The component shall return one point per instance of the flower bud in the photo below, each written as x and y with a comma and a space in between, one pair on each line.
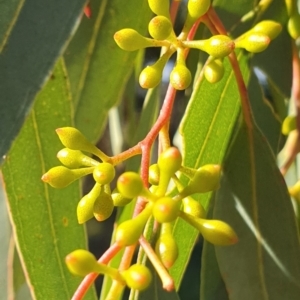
166, 249
130, 185
75, 159
160, 28
217, 46
160, 7
166, 210
151, 76
197, 8
73, 139
103, 207
154, 174
294, 26
85, 207
193, 208
268, 27
289, 124
137, 277
180, 77
169, 161
253, 42
128, 232
104, 173
82, 262
119, 199
130, 40
60, 177
214, 71
206, 179
216, 232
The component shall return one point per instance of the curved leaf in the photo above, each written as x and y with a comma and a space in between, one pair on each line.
9, 12
206, 130
35, 42
265, 263
44, 219
99, 68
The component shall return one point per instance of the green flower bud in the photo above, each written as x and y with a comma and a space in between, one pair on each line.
180, 77
169, 161
216, 232
294, 191
73, 139
103, 207
197, 8
289, 124
166, 249
75, 159
151, 76
294, 26
253, 42
154, 174
137, 277
268, 27
60, 177
130, 185
130, 40
128, 232
214, 71
160, 28
206, 179
85, 207
104, 173
217, 46
160, 7
119, 200
193, 208
166, 210
82, 262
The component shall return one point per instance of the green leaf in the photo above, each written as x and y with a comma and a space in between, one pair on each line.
265, 263
35, 42
99, 68
206, 130
211, 284
9, 12
44, 219
265, 116
19, 287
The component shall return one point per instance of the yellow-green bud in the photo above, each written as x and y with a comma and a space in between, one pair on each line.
160, 28
268, 27
103, 207
180, 77
60, 177
217, 46
214, 71
130, 40
137, 277
253, 42
160, 7
197, 8
82, 262
294, 26
289, 124
75, 159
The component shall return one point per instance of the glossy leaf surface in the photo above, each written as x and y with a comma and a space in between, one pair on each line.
206, 130
44, 219
35, 42
256, 204
99, 68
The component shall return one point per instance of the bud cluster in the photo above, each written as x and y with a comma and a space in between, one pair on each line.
160, 205
217, 47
